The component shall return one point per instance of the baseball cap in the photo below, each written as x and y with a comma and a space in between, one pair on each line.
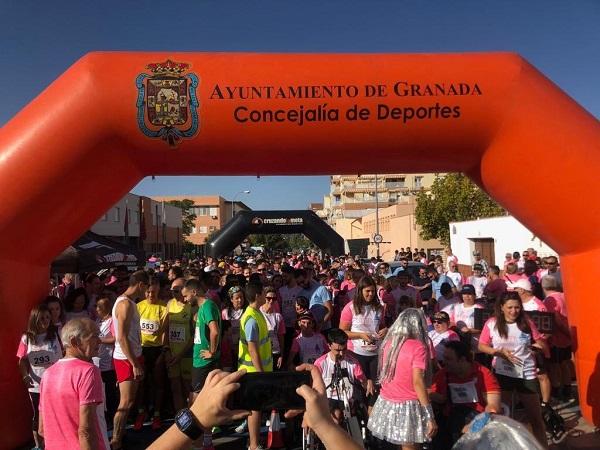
468, 289
441, 315
477, 267
307, 316
522, 283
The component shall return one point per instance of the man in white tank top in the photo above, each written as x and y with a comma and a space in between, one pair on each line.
128, 350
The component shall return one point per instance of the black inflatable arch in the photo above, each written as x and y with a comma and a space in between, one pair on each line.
275, 222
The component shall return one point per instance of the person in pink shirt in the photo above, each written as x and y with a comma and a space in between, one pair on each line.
560, 364
531, 303
39, 348
71, 397
511, 273
402, 414
441, 333
512, 339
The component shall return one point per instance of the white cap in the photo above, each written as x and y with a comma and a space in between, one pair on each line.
522, 283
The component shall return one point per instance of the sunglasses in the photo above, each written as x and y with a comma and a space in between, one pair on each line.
270, 298
176, 291
438, 321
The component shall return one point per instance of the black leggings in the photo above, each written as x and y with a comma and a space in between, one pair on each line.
35, 404
109, 377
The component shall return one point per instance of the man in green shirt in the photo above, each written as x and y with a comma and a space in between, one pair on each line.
206, 338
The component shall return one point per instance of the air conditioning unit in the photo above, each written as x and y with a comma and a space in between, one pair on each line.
214, 217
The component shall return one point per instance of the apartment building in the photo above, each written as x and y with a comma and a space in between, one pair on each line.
353, 196
212, 213
143, 223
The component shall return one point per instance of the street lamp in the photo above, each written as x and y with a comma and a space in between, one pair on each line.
233, 201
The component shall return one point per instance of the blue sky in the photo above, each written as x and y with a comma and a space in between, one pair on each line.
39, 40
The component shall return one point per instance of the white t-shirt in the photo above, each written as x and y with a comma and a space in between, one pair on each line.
274, 325
367, 322
105, 352
456, 278
326, 366
517, 342
464, 316
41, 354
447, 304
438, 340
288, 304
534, 304
135, 332
478, 283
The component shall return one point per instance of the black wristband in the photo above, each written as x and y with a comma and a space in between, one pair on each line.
188, 424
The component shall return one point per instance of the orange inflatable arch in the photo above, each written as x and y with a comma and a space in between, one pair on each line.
113, 118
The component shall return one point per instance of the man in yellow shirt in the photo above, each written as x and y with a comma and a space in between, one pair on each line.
153, 323
180, 343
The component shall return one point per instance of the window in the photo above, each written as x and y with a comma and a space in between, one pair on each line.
194, 230
214, 212
201, 210
136, 217
128, 215
418, 182
394, 182
212, 228
117, 217
203, 229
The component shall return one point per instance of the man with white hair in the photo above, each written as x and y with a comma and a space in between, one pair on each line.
71, 396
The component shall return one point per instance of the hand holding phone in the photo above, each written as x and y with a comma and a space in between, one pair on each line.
209, 407
265, 391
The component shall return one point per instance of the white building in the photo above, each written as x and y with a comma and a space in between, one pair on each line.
493, 237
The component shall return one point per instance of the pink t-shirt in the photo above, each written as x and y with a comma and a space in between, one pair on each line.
310, 348
413, 354
370, 322
67, 385
555, 303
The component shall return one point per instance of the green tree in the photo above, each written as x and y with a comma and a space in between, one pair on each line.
280, 242
452, 198
187, 215
297, 242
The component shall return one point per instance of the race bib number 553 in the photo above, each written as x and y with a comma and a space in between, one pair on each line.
148, 326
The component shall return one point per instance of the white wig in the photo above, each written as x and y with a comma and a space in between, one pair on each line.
410, 324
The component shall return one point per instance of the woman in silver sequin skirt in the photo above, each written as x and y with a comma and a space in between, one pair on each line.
402, 414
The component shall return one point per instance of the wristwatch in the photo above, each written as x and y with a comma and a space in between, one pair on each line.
188, 424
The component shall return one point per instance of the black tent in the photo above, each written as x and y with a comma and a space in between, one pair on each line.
92, 252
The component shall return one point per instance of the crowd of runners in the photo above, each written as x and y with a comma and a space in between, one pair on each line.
396, 345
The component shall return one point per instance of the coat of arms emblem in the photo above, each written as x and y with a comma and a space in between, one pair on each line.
167, 105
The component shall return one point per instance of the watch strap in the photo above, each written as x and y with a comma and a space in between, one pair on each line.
188, 424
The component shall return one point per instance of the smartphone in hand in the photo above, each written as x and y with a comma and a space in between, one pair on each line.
265, 391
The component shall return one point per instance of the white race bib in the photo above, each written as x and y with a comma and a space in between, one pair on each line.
464, 392
149, 326
41, 358
197, 337
177, 334
506, 368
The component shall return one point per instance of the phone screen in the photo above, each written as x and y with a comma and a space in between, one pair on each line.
264, 391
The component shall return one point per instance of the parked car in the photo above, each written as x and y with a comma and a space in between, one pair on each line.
413, 267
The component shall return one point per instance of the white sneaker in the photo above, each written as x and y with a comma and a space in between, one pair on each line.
242, 428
